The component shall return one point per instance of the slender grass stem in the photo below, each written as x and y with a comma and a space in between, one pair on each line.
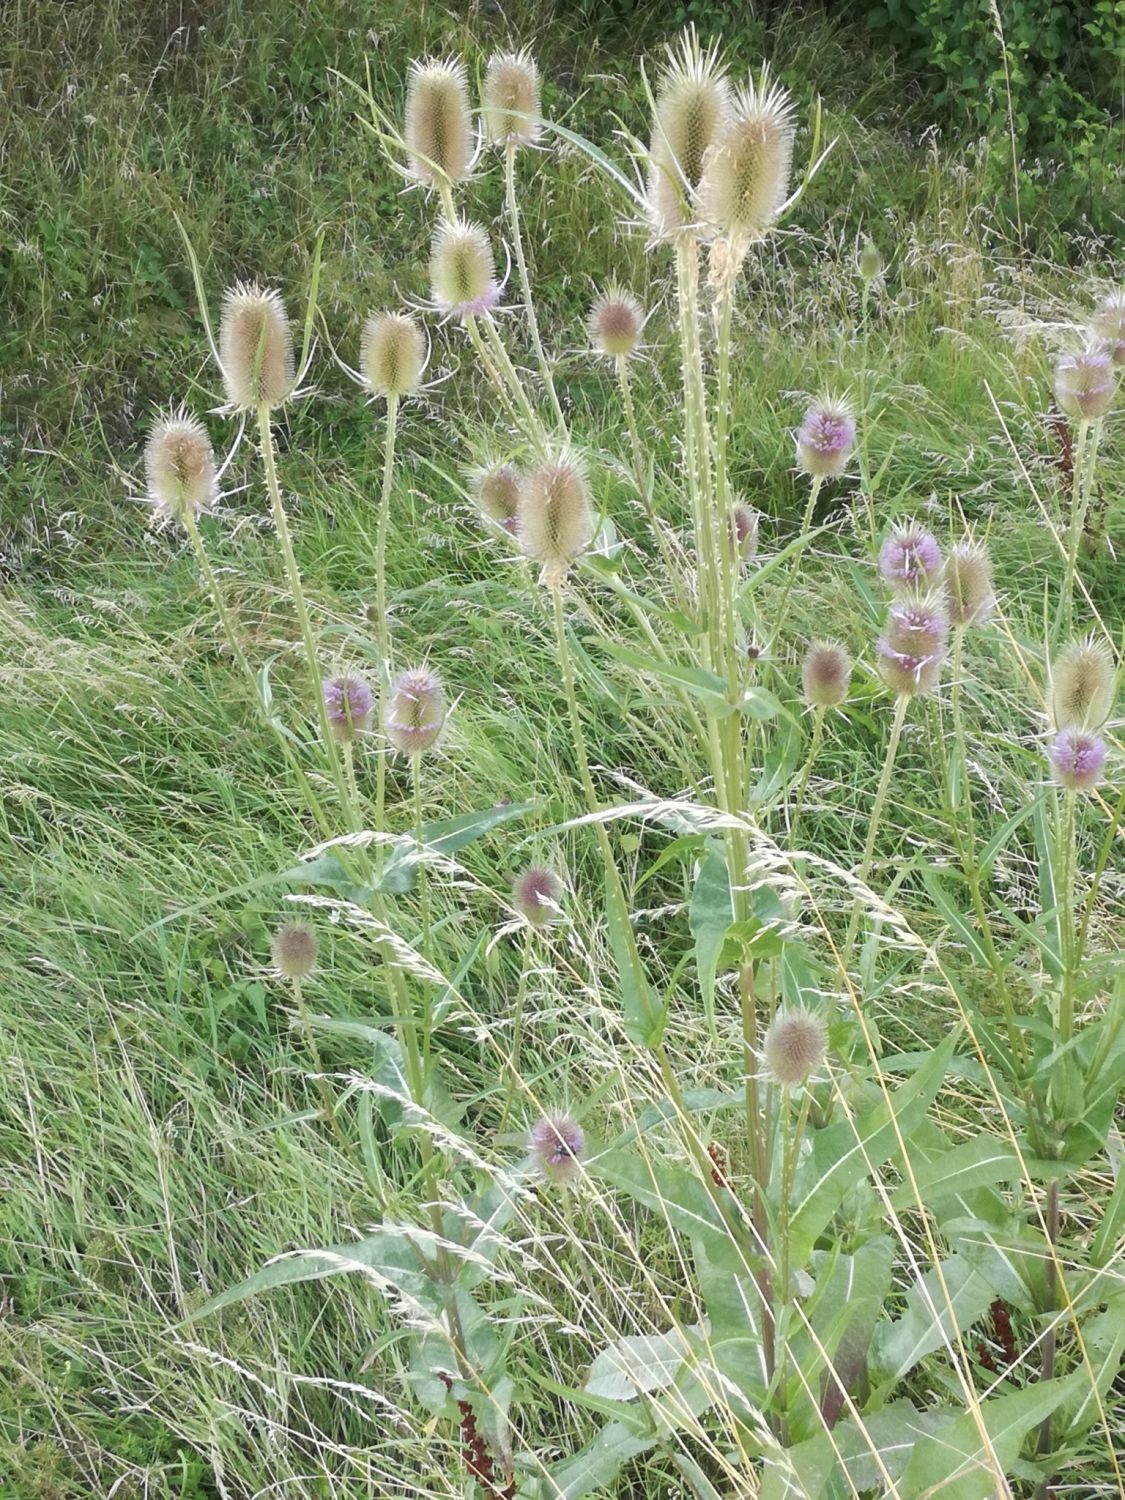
794, 568
324, 1088
517, 1030
512, 205
902, 703
814, 747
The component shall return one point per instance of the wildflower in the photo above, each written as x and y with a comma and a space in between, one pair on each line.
462, 272
1084, 385
393, 354
968, 583
1077, 758
910, 557
438, 137
617, 321
746, 168
498, 487
826, 438
180, 467
255, 347
794, 1046
558, 1144
691, 101
294, 948
744, 531
826, 674
1082, 683
510, 99
348, 704
416, 711
1108, 325
912, 648
537, 896
554, 516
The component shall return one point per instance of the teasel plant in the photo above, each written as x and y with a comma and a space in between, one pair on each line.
1085, 385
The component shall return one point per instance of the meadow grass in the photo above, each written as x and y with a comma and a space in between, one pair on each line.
161, 1134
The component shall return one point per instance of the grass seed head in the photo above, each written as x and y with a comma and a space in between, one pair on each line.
416, 711
1077, 759
691, 101
1108, 325
537, 896
255, 347
826, 674
794, 1047
393, 353
617, 321
462, 271
1082, 685
1084, 385
910, 558
826, 438
294, 948
554, 515
348, 705
968, 583
438, 135
180, 468
510, 99
558, 1144
746, 168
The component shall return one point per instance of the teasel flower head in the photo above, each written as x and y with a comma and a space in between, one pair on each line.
968, 584
537, 896
1084, 385
393, 354
826, 438
180, 468
255, 347
870, 262
617, 321
1082, 685
912, 648
498, 487
347, 705
462, 271
558, 1144
826, 674
1077, 759
438, 135
691, 102
510, 99
746, 169
294, 948
554, 516
415, 713
794, 1046
910, 557
744, 531
1108, 325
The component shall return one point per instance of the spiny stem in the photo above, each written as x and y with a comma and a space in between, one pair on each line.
806, 523
472, 328
382, 623
640, 477
423, 880
532, 425
525, 282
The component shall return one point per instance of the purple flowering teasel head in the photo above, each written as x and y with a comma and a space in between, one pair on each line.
1108, 325
826, 438
910, 558
826, 674
537, 896
347, 704
1077, 758
558, 1144
911, 651
415, 714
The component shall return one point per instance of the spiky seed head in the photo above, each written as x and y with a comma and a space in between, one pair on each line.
744, 531
794, 1046
438, 136
510, 99
294, 948
554, 515
826, 438
910, 557
498, 487
870, 262
180, 468
393, 353
416, 711
1077, 759
746, 169
255, 347
826, 674
1108, 325
462, 271
912, 648
1082, 685
617, 321
1084, 385
558, 1144
537, 896
691, 101
968, 583
347, 704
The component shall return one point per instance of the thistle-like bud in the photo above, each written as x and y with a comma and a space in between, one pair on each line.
393, 353
1084, 385
416, 711
438, 135
617, 321
691, 101
794, 1046
347, 705
510, 99
968, 583
746, 168
826, 674
255, 347
294, 948
462, 271
744, 531
558, 1144
537, 896
910, 558
870, 262
826, 438
179, 467
554, 516
912, 647
1108, 325
498, 488
1077, 759
1082, 683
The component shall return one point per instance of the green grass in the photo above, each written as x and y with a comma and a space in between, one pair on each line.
158, 1138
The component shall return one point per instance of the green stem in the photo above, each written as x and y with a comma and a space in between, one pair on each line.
902, 703
324, 1088
532, 425
525, 283
814, 747
697, 441
517, 1032
1084, 454
382, 622
423, 878
472, 328
794, 566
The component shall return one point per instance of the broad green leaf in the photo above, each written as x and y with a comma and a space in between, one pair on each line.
734, 1307
1104, 1337
1050, 917
975, 1163
643, 1018
638, 1363
927, 1323
955, 920
851, 1459
709, 916
702, 684
676, 1195
759, 703
448, 837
